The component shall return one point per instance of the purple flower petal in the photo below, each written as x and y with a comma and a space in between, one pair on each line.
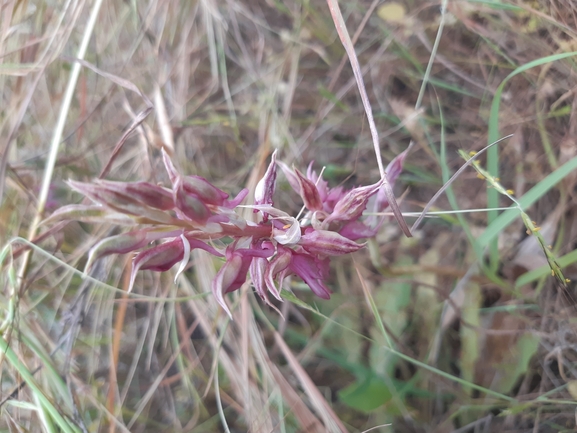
241, 275
322, 185
256, 271
237, 200
233, 273
355, 230
332, 198
275, 266
159, 258
225, 278
195, 243
312, 271
127, 242
162, 257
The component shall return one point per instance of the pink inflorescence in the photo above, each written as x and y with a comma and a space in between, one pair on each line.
196, 214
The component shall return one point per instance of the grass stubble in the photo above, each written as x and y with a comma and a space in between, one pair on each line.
459, 328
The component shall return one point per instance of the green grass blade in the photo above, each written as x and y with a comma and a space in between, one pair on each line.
499, 224
446, 173
493, 135
27, 377
545, 270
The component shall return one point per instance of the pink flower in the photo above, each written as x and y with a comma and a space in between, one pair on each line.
193, 213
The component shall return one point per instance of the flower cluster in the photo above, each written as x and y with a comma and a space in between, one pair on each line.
193, 213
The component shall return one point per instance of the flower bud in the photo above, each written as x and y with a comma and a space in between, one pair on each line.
327, 243
143, 192
121, 201
89, 214
190, 205
355, 230
309, 192
204, 190
352, 204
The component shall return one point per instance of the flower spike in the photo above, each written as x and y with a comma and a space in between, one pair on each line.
195, 214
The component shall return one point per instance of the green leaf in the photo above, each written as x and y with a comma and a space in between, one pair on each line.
516, 362
366, 395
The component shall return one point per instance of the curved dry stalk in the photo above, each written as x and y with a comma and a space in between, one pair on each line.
350, 49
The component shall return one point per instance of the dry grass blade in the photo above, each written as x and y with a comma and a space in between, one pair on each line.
163, 120
16, 122
325, 105
329, 417
122, 82
350, 49
58, 130
135, 124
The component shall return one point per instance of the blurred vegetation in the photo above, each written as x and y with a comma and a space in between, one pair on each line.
460, 328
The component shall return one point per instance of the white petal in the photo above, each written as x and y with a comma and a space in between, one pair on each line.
185, 257
290, 236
